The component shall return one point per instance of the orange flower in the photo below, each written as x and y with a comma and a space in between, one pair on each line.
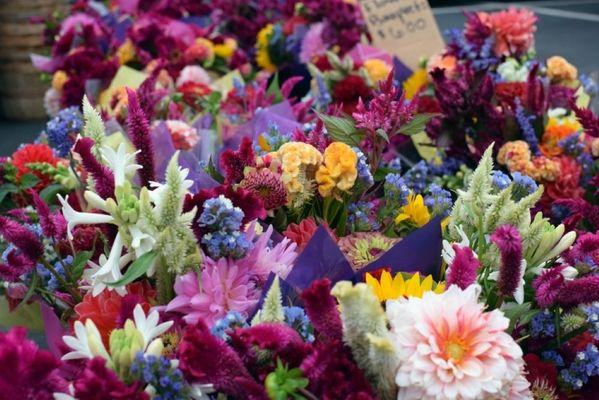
109, 310
554, 133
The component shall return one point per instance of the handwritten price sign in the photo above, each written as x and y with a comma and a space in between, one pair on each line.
405, 28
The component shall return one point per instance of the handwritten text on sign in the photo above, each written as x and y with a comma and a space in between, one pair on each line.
406, 28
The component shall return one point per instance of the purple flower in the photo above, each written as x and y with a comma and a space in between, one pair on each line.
464, 266
103, 177
27, 372
321, 308
579, 291
22, 238
138, 129
508, 241
53, 224
547, 286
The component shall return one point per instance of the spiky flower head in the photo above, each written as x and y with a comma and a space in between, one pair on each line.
267, 185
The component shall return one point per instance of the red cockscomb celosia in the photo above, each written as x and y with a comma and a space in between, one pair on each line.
233, 162
98, 382
348, 90
27, 372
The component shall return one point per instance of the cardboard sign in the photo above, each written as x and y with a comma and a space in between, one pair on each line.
405, 28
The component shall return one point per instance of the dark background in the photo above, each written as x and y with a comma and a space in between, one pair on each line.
569, 28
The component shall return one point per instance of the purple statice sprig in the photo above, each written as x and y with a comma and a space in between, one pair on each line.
396, 190
584, 367
438, 200
416, 177
528, 131
542, 324
523, 185
167, 381
362, 216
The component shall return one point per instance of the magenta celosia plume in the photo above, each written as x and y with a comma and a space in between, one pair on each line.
233, 162
462, 271
97, 382
583, 290
103, 176
204, 358
322, 310
508, 241
53, 223
547, 286
27, 372
138, 129
22, 238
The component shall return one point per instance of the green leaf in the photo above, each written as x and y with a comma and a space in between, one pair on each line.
383, 134
32, 286
28, 181
213, 172
6, 189
79, 263
417, 124
341, 129
136, 269
48, 194
274, 89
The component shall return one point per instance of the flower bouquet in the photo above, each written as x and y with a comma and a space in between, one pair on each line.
312, 222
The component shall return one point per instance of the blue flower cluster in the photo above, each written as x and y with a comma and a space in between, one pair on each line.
167, 381
554, 357
416, 176
592, 315
572, 145
63, 128
482, 56
500, 180
560, 211
296, 318
584, 366
49, 279
364, 174
396, 189
223, 221
438, 200
324, 96
274, 137
233, 319
395, 165
449, 166
523, 185
360, 215
589, 84
542, 324
528, 131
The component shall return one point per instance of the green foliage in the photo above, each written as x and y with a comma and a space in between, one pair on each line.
136, 269
284, 383
341, 129
416, 124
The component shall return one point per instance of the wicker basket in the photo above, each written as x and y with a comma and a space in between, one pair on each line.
21, 90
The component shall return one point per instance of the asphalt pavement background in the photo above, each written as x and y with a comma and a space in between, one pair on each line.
569, 28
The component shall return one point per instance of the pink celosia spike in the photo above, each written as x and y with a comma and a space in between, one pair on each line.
103, 177
508, 241
22, 238
463, 268
138, 129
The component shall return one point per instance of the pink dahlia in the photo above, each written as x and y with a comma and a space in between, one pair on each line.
225, 286
263, 259
450, 347
313, 44
514, 31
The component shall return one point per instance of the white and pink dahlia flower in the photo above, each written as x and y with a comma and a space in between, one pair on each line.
450, 348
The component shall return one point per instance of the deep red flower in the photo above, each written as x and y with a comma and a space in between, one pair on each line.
98, 382
233, 162
322, 310
349, 90
27, 372
33, 153
539, 371
508, 92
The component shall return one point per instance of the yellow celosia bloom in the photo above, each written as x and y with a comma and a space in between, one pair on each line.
388, 288
226, 49
262, 56
126, 52
415, 211
377, 69
59, 79
415, 82
339, 170
299, 162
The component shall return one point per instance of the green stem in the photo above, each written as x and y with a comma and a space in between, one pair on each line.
164, 282
76, 295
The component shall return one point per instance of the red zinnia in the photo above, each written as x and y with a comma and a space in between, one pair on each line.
30, 154
107, 309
